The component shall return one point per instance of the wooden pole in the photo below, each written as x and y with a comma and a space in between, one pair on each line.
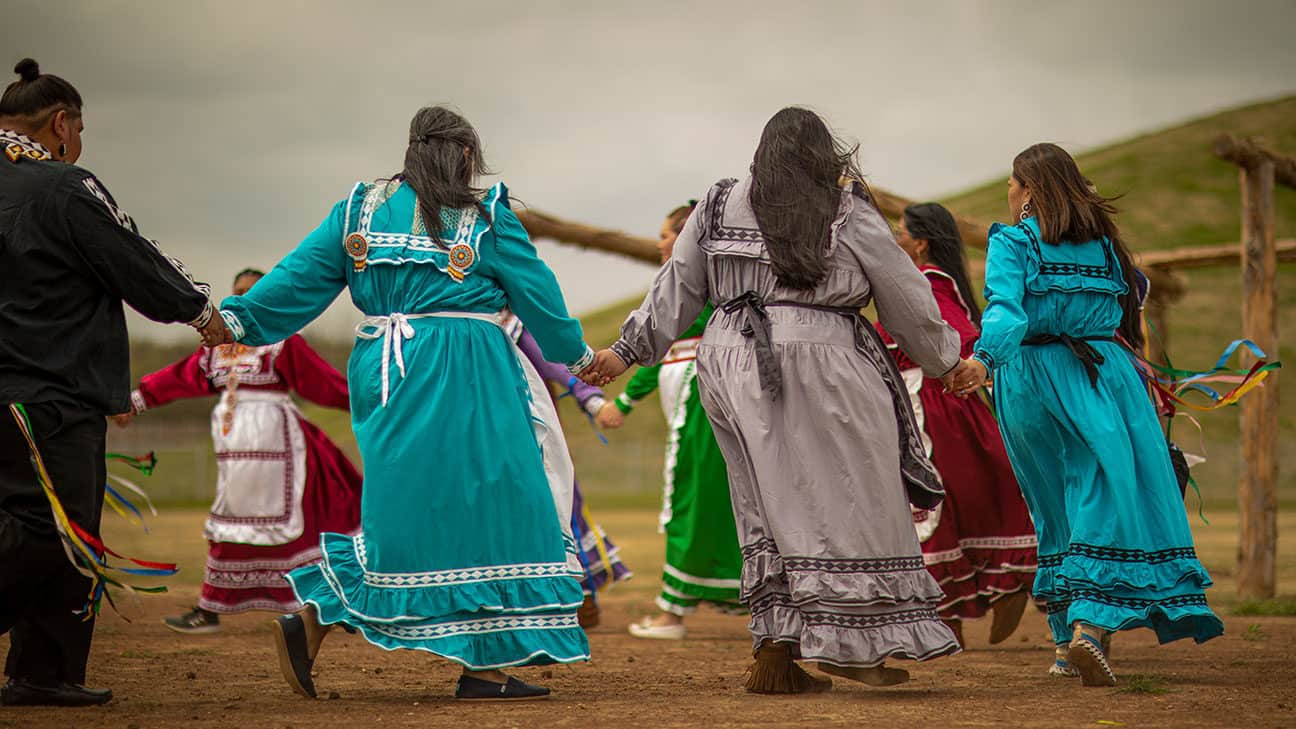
543, 225
1258, 489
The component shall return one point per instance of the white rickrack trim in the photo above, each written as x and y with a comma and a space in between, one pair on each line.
1022, 542
627, 401
593, 405
204, 317
585, 360
477, 627
232, 321
466, 576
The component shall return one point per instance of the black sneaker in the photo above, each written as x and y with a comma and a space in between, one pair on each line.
476, 689
194, 622
294, 655
23, 693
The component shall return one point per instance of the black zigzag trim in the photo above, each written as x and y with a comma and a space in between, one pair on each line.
845, 566
1114, 554
720, 231
760, 545
842, 620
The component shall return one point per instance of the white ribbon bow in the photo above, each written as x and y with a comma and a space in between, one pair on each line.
394, 330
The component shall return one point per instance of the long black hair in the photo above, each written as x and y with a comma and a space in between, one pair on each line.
443, 160
36, 96
795, 193
1069, 210
936, 225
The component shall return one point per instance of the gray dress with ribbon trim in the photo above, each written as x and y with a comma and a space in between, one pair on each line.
815, 425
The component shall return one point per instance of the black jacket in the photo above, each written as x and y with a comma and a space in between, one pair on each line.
69, 257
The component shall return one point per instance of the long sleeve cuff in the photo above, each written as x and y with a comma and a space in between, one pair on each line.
624, 403
623, 350
593, 405
585, 361
204, 316
984, 358
137, 402
234, 323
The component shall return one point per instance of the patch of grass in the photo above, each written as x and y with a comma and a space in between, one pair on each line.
1255, 633
1140, 683
1279, 607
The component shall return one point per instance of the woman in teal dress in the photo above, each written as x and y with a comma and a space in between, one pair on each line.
1115, 550
465, 548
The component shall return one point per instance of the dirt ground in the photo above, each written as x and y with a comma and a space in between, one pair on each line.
1246, 679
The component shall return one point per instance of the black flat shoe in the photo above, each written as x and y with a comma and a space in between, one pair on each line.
294, 656
476, 689
21, 693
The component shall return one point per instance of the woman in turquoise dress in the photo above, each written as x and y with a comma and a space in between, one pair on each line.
1115, 550
465, 549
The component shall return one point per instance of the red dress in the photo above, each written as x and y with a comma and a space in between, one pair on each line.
281, 480
979, 544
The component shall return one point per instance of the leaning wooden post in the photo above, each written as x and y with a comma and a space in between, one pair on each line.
1258, 488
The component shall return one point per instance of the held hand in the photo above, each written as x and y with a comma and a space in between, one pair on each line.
122, 420
216, 333
610, 417
969, 376
605, 368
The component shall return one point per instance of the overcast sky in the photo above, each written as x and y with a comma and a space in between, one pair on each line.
228, 129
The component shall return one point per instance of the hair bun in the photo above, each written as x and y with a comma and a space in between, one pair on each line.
28, 69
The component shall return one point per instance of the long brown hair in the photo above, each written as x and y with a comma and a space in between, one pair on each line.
1069, 210
443, 160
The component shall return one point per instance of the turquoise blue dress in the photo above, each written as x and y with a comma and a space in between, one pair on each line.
463, 550
1115, 550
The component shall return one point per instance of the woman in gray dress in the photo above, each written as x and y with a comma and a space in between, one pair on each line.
808, 407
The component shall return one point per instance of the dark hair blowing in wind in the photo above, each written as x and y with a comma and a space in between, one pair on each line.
1069, 210
443, 160
795, 193
36, 96
936, 225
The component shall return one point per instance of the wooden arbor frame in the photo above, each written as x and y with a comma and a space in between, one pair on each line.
1258, 486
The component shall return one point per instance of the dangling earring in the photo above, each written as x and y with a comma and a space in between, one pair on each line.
62, 150
1026, 210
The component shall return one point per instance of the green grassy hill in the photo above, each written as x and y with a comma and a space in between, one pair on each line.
1175, 194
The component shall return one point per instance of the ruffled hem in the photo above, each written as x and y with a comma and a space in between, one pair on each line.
479, 642
909, 582
1078, 573
1171, 619
342, 575
856, 640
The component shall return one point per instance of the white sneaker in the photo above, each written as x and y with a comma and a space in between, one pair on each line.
645, 629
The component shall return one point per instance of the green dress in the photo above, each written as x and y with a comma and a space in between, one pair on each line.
703, 562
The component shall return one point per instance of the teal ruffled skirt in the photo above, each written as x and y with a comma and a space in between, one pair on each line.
461, 551
1115, 549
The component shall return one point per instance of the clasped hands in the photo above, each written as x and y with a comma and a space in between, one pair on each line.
215, 332
605, 368
966, 378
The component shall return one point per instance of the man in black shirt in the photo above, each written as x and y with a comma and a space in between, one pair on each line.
69, 257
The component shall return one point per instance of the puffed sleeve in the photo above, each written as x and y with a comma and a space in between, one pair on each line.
311, 376
531, 287
1003, 323
902, 295
296, 291
678, 294
177, 381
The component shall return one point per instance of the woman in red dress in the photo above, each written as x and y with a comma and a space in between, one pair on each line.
281, 481
979, 544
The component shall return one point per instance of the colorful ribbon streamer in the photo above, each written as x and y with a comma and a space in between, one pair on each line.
87, 553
